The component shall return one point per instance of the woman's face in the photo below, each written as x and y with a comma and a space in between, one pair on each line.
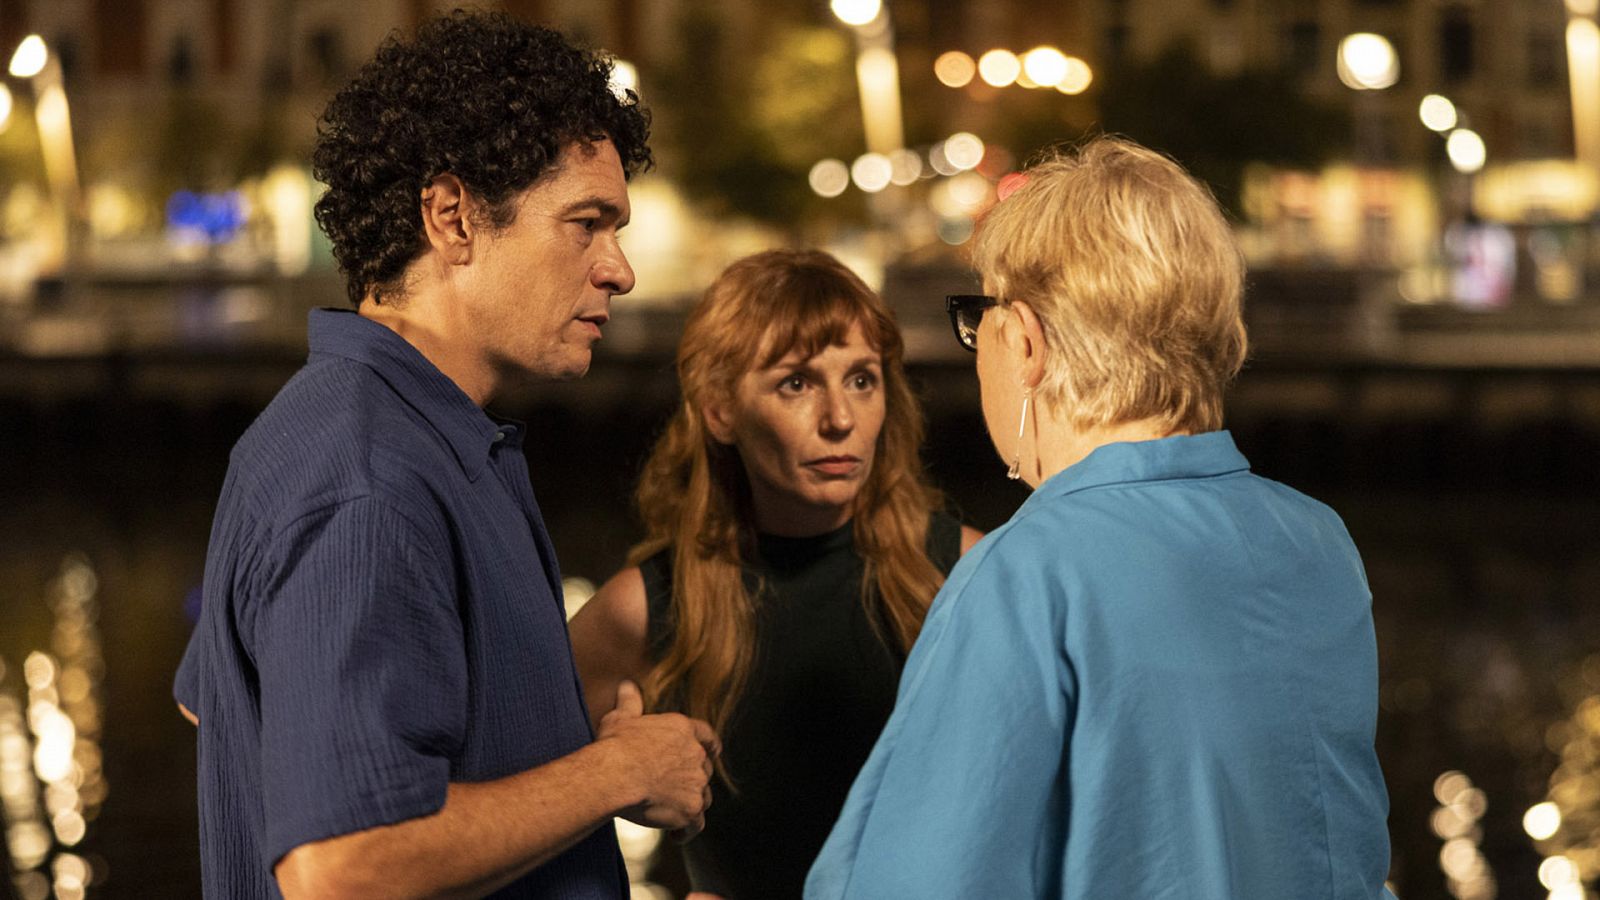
806, 429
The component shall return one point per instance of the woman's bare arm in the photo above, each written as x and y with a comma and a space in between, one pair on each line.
610, 639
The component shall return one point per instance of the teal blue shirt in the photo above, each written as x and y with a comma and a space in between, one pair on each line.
1157, 680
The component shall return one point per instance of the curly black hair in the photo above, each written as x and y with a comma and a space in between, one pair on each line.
481, 96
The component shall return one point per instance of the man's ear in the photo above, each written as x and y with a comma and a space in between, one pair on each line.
1028, 331
445, 219
718, 421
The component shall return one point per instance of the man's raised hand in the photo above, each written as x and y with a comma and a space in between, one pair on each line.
666, 758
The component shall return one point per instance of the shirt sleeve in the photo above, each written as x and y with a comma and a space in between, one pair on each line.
964, 794
186, 683
358, 644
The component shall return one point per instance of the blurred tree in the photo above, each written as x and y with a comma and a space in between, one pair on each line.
740, 130
1216, 125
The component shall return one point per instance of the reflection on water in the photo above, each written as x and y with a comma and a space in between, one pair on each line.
57, 756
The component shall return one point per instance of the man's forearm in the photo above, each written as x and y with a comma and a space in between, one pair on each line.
487, 835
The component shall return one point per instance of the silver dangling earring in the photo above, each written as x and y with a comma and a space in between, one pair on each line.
1015, 471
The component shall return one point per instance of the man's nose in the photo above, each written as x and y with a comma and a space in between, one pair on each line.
613, 273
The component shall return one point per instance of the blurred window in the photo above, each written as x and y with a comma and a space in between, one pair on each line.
1303, 54
1456, 36
68, 54
1546, 59
325, 49
1117, 40
180, 62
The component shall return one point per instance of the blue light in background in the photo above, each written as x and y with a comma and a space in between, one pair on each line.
209, 218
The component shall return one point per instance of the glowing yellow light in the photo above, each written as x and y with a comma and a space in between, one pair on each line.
856, 12
1023, 81
939, 161
1460, 859
30, 57
1077, 77
1558, 872
1449, 785
999, 68
1583, 70
1582, 7
1466, 150
52, 755
871, 172
1542, 820
905, 166
70, 827
39, 670
33, 886
624, 78
1470, 804
1446, 824
72, 866
954, 69
878, 77
5, 122
829, 178
29, 842
1367, 62
969, 189
1438, 113
1045, 65
964, 151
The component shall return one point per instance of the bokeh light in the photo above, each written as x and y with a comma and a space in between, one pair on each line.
1045, 65
1542, 820
955, 69
964, 150
905, 166
999, 68
1466, 150
1558, 872
856, 12
871, 172
1076, 78
30, 58
1437, 112
829, 178
1367, 62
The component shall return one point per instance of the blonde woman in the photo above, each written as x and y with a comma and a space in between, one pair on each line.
1159, 678
792, 548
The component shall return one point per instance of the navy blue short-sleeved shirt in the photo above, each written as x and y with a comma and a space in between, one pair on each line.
381, 616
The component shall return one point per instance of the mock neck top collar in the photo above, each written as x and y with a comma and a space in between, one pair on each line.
470, 431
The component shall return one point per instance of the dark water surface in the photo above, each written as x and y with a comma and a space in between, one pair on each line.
1477, 516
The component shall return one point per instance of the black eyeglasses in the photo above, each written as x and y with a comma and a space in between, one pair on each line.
966, 311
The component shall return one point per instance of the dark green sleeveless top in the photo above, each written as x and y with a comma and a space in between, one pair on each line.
820, 690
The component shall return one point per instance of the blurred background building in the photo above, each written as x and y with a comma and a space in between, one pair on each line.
1414, 183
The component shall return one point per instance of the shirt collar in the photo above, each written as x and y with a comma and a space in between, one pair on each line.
470, 432
1180, 456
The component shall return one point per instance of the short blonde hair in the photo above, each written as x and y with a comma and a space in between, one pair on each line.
1134, 273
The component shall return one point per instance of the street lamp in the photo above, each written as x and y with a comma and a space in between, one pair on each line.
1367, 64
877, 72
1466, 151
1438, 113
34, 62
1583, 68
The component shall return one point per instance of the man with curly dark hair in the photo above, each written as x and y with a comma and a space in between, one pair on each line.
384, 690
